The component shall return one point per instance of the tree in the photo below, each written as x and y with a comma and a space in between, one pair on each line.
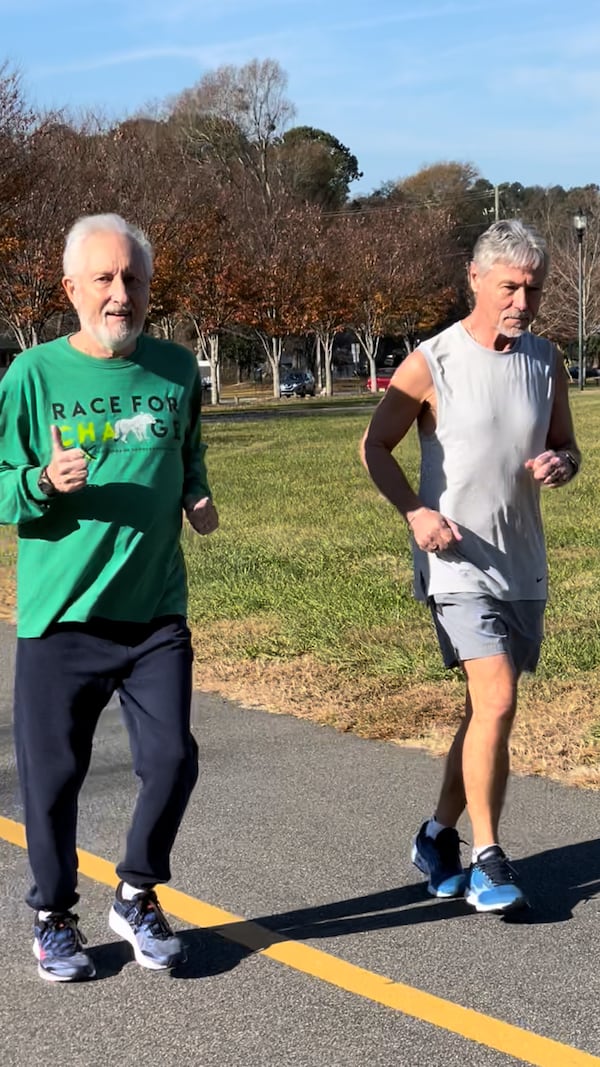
370, 275
458, 189
559, 313
211, 287
328, 306
140, 171
444, 184
316, 167
276, 256
401, 270
230, 122
17, 122
34, 229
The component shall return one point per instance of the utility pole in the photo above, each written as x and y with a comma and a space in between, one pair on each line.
496, 202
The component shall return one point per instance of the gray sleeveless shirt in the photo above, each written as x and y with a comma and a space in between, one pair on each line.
493, 413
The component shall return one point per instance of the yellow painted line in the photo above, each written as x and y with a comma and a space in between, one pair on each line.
472, 1025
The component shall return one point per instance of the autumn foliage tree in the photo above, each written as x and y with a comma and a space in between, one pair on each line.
275, 253
370, 271
252, 228
429, 275
31, 212
328, 304
400, 270
17, 121
211, 290
34, 229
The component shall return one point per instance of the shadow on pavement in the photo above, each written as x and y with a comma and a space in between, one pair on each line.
207, 955
559, 879
556, 881
222, 948
405, 906
111, 958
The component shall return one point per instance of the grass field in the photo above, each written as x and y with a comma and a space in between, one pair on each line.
302, 601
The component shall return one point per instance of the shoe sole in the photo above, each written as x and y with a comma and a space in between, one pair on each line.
483, 909
422, 867
121, 927
49, 977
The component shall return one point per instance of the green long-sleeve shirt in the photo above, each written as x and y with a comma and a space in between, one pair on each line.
112, 549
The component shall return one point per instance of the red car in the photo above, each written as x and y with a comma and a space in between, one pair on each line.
382, 379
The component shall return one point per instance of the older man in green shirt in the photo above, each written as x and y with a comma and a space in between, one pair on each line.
100, 457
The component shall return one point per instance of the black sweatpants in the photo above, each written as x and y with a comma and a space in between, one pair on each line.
63, 681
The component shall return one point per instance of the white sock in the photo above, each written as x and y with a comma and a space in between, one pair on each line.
482, 848
43, 915
434, 828
128, 892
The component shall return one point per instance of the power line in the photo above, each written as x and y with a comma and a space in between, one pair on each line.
410, 205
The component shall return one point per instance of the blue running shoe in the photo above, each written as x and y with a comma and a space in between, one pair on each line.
142, 922
439, 859
58, 948
492, 883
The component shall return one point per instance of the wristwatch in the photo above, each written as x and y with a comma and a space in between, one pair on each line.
571, 458
45, 485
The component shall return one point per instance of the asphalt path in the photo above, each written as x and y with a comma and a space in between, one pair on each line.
306, 832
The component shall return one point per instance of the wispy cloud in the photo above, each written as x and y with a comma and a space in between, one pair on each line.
453, 10
417, 14
516, 90
207, 56
117, 59
187, 11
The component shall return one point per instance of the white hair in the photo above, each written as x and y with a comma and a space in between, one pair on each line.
89, 224
512, 242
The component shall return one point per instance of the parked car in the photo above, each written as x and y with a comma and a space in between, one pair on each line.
590, 372
204, 370
382, 379
297, 383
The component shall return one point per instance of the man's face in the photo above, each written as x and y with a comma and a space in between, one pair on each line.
507, 297
109, 290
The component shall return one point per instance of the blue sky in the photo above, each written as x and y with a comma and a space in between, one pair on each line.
513, 88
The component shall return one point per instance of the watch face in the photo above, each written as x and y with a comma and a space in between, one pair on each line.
571, 460
45, 485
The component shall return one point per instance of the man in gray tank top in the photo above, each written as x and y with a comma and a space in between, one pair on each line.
491, 404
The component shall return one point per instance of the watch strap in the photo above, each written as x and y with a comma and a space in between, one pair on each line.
45, 483
571, 459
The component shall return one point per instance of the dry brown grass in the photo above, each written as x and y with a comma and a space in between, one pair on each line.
8, 602
553, 735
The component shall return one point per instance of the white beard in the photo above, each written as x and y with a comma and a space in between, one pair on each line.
115, 339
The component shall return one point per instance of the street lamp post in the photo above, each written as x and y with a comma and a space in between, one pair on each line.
580, 223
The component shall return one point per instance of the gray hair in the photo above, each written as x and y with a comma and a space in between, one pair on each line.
89, 224
513, 243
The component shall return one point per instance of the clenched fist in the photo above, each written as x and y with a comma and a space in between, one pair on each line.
202, 515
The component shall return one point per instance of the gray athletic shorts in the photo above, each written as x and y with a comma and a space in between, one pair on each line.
474, 626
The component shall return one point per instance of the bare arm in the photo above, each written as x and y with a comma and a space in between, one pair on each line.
559, 463
400, 407
409, 395
561, 435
